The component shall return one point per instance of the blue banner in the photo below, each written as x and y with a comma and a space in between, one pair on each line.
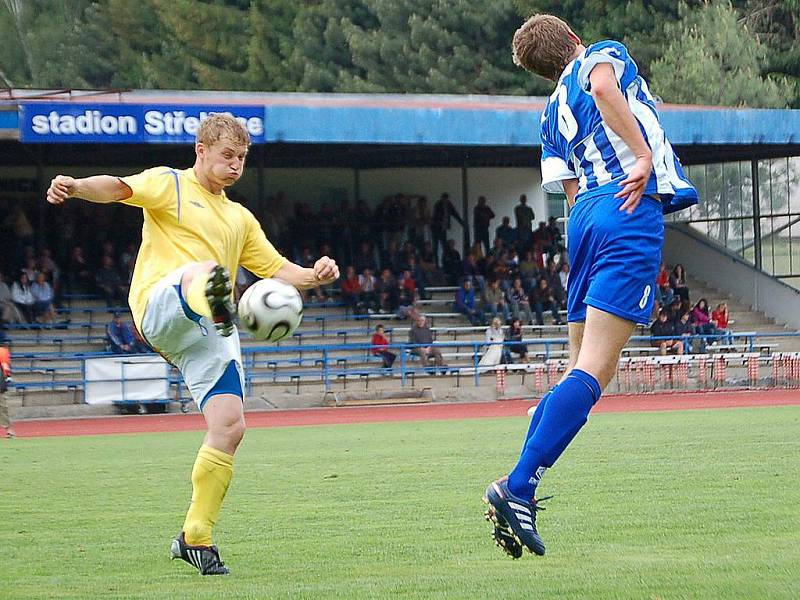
70, 123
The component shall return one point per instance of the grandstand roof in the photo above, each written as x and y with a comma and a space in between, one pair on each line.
451, 129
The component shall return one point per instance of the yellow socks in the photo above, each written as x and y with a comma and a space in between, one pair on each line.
196, 295
211, 476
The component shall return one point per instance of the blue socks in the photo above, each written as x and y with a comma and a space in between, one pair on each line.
557, 420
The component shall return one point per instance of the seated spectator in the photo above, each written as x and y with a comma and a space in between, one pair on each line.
405, 301
430, 270
386, 288
380, 347
541, 299
43, 299
79, 277
351, 289
661, 328
408, 282
451, 263
419, 277
721, 319
664, 291
506, 233
364, 258
528, 271
554, 281
677, 281
470, 270
369, 290
420, 333
518, 300
30, 269
23, 297
120, 337
702, 321
514, 334
494, 301
9, 312
110, 284
563, 275
465, 303
684, 330
493, 353
557, 240
542, 237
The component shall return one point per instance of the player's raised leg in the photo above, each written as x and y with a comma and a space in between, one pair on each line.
207, 289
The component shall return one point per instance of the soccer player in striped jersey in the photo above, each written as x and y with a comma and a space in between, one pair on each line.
603, 146
181, 298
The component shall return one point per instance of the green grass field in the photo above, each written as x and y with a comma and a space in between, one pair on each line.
696, 504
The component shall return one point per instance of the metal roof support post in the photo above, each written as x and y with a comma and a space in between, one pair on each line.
756, 213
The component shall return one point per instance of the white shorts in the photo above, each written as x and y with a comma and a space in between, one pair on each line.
187, 340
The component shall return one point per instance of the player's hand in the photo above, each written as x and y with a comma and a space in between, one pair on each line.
61, 188
634, 184
326, 270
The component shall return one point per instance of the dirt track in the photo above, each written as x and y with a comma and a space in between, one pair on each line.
418, 412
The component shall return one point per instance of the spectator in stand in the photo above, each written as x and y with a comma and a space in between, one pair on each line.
541, 299
109, 283
369, 290
431, 273
21, 231
497, 250
684, 330
361, 222
525, 216
556, 239
493, 352
419, 277
538, 257
386, 288
662, 328
420, 333
677, 281
307, 259
505, 233
482, 216
48, 266
554, 281
405, 301
120, 337
519, 302
42, 293
665, 292
364, 258
470, 270
514, 335
702, 321
23, 297
465, 303
351, 289
79, 276
9, 311
390, 257
528, 271
563, 275
542, 237
721, 318
443, 211
420, 222
30, 269
494, 301
380, 347
451, 263
5, 379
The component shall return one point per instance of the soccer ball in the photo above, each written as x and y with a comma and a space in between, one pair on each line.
270, 309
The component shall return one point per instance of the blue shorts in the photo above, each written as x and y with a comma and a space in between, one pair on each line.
614, 258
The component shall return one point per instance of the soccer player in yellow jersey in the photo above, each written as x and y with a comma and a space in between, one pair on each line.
193, 238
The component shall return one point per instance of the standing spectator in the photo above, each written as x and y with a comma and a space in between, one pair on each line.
23, 298
494, 301
451, 263
79, 277
514, 335
525, 216
662, 328
110, 284
465, 303
542, 237
42, 293
390, 257
420, 222
520, 305
443, 210
5, 379
493, 352
482, 216
721, 318
380, 347
557, 240
421, 333
351, 289
505, 233
21, 231
541, 299
677, 281
9, 312
120, 338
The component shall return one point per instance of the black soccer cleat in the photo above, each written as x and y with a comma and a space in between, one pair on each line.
514, 520
218, 294
204, 558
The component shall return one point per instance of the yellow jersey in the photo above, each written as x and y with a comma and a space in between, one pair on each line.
183, 223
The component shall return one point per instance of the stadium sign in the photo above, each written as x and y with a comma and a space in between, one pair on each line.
127, 123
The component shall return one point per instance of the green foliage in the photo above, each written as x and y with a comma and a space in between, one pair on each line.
713, 60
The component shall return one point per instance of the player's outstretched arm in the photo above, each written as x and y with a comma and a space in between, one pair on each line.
325, 271
616, 114
102, 189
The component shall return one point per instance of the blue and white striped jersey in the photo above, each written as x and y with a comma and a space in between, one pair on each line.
577, 144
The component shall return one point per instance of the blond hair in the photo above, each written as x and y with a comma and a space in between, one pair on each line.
222, 125
543, 46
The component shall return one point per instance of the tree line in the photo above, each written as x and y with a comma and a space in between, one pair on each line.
737, 53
